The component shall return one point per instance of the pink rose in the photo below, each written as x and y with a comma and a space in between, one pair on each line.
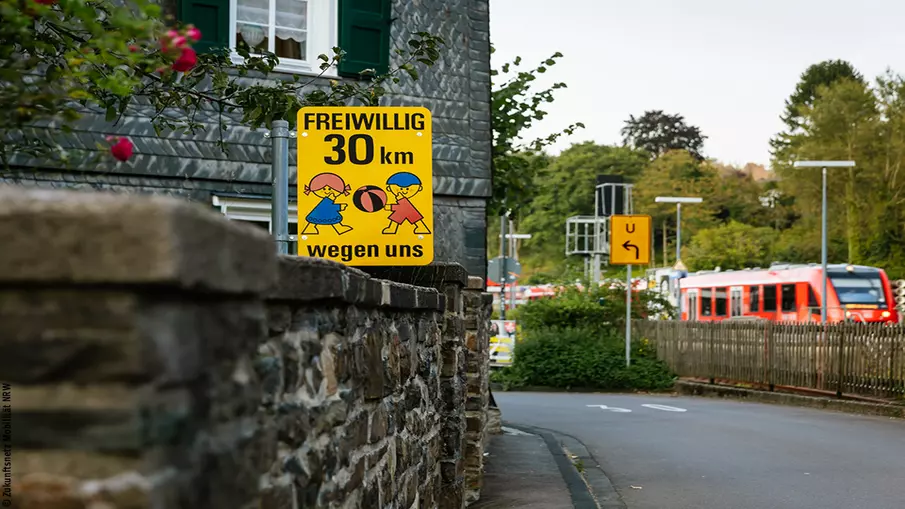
122, 149
187, 59
193, 34
179, 41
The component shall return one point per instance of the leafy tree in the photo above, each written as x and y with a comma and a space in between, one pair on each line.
822, 74
565, 188
656, 133
731, 246
61, 58
841, 124
515, 108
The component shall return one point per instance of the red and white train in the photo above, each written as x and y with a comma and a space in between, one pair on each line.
789, 293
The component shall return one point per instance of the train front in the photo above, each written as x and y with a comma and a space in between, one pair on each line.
864, 293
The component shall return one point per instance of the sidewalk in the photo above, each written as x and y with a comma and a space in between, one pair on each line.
521, 472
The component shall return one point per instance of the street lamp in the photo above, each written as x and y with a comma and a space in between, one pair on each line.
678, 200
823, 165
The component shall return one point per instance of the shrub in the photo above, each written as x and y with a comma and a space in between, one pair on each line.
584, 358
599, 309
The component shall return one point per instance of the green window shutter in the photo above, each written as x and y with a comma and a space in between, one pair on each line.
211, 17
364, 34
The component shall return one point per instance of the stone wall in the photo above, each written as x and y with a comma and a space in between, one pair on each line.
160, 356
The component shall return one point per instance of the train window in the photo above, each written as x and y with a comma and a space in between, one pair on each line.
720, 302
692, 305
812, 298
735, 302
769, 298
706, 302
788, 298
754, 296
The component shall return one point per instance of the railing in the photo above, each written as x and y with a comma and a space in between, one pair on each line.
845, 358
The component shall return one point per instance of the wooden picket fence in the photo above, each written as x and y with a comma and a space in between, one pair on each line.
846, 358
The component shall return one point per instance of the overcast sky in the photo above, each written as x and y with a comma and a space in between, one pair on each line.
726, 65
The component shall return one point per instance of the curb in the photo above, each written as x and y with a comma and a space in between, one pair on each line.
591, 489
788, 399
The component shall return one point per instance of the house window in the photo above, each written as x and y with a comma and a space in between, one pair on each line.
256, 211
297, 31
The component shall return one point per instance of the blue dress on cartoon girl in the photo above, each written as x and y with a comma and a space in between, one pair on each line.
325, 212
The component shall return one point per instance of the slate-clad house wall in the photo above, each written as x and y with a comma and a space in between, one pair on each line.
457, 90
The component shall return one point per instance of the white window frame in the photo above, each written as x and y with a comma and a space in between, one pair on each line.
322, 36
251, 209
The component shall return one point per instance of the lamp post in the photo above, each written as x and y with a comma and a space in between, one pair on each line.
823, 165
678, 200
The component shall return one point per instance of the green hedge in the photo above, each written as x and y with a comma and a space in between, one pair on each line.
580, 358
576, 341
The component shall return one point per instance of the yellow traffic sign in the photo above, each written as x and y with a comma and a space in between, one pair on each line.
365, 186
629, 240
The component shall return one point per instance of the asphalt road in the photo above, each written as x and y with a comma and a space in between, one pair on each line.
722, 454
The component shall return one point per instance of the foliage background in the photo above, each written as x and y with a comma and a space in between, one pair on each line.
750, 216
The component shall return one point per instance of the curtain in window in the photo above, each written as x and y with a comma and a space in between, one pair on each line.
291, 16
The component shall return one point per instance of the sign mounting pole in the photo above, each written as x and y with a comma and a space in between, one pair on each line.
628, 316
629, 245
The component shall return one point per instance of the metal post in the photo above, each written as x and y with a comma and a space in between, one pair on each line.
628, 316
678, 259
279, 205
504, 269
823, 251
512, 250
678, 232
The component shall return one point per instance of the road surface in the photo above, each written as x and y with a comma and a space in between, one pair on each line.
696, 453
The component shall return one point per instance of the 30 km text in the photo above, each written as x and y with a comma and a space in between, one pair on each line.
359, 149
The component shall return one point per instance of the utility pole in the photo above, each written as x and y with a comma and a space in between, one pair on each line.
504, 269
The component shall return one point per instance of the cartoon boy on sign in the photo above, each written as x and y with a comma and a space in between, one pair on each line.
403, 186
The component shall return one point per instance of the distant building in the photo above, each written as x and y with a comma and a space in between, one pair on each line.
759, 173
457, 90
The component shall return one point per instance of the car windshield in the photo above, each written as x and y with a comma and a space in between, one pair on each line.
859, 288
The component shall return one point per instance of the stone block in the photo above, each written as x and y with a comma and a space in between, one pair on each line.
374, 383
475, 283
277, 497
380, 423
94, 238
434, 275
453, 328
452, 495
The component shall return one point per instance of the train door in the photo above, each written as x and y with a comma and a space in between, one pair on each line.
735, 301
691, 305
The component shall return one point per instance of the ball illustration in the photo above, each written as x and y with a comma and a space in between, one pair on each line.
369, 198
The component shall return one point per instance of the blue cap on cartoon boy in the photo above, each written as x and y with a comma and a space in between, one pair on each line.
403, 179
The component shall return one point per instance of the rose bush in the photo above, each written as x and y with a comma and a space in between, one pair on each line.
61, 58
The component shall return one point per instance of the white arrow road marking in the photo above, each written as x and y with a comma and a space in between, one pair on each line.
665, 408
611, 409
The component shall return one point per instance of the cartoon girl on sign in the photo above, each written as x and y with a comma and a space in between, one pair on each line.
328, 187
404, 185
